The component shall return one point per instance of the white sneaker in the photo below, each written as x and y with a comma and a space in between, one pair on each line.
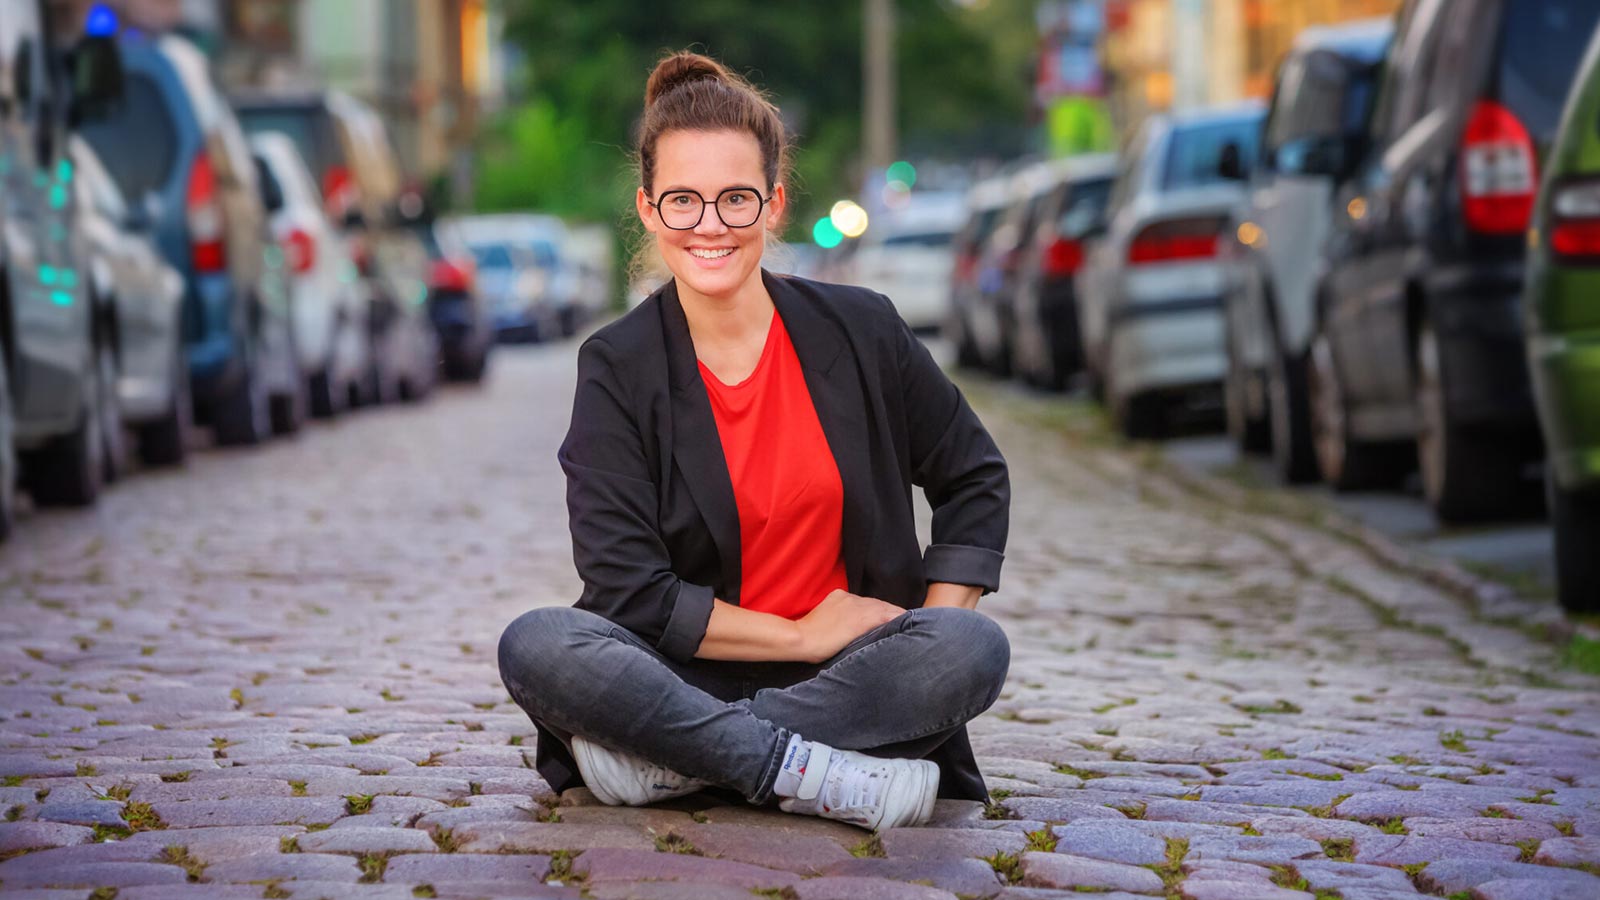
622, 779
864, 790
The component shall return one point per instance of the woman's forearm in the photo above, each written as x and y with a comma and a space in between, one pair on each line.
736, 633
943, 593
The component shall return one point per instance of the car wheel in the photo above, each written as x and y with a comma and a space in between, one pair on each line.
967, 355
70, 470
165, 442
1250, 434
1345, 463
1142, 416
327, 398
1065, 349
1289, 418
242, 416
289, 410
1466, 476
113, 439
1575, 517
8, 458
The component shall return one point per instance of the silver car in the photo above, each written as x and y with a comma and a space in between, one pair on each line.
147, 298
1150, 292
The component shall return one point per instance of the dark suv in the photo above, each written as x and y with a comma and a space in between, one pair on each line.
58, 375
1418, 339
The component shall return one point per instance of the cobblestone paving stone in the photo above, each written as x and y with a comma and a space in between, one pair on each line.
272, 675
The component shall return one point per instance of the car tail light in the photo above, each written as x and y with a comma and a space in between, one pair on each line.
1499, 171
967, 267
1575, 221
1062, 257
301, 249
361, 255
338, 192
449, 275
207, 226
1175, 240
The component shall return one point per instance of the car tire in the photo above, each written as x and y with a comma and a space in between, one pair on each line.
1143, 416
8, 458
1575, 517
1249, 434
113, 436
1289, 419
967, 355
289, 410
70, 470
1345, 463
242, 416
1064, 347
327, 398
1467, 476
165, 442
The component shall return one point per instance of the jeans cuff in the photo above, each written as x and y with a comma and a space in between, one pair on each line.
769, 778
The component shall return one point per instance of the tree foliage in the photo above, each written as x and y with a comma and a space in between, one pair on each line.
565, 148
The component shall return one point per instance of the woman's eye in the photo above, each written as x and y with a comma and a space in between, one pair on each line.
737, 199
682, 201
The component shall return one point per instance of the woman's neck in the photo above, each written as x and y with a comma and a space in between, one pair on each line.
724, 322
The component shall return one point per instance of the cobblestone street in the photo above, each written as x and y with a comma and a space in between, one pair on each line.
272, 674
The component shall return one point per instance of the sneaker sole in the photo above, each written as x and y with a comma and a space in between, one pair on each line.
589, 765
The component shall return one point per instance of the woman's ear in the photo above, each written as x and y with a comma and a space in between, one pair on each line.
776, 207
641, 202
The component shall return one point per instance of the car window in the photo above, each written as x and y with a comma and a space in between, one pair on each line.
1084, 208
492, 256
1194, 150
1541, 44
919, 239
141, 166
307, 126
1400, 88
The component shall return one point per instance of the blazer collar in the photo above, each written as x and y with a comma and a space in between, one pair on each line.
834, 382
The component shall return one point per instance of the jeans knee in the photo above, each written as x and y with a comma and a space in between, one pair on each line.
975, 645
533, 642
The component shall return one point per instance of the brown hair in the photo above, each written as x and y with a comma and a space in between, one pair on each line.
691, 92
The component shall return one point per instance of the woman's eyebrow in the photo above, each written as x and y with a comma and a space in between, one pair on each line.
678, 187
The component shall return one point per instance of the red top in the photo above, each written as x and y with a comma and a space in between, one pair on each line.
785, 483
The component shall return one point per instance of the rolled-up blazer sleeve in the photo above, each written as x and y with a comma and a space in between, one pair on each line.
612, 504
960, 470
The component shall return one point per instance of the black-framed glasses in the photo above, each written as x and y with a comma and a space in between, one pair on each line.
737, 207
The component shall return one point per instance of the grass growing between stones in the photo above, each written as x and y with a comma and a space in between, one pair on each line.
1529, 848
1339, 849
358, 804
871, 848
1582, 653
676, 843
1042, 841
140, 817
424, 892
1007, 865
1395, 825
1453, 740
178, 855
1171, 871
288, 844
1286, 877
561, 869
372, 867
176, 777
444, 840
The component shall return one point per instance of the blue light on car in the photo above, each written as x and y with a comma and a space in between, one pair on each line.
102, 21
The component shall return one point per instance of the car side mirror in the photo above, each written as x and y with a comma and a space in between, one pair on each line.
96, 68
1230, 162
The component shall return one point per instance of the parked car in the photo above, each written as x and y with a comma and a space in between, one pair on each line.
173, 147
146, 299
524, 273
348, 151
1314, 138
1048, 349
59, 416
986, 201
905, 255
1563, 335
1150, 291
330, 308
459, 315
1419, 339
991, 317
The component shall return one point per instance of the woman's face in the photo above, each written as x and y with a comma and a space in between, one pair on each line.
711, 259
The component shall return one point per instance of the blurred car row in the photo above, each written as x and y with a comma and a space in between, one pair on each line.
174, 257
1361, 277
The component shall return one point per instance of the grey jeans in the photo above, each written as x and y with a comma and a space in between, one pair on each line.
899, 690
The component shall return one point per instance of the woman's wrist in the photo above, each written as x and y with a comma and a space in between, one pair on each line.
960, 596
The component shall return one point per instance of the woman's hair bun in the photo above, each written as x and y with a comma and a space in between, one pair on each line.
678, 69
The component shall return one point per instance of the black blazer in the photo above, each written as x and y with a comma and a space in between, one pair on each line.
655, 529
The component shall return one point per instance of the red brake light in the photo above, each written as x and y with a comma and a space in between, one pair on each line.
338, 192
207, 228
1499, 171
449, 275
301, 250
1575, 221
1063, 257
967, 266
1175, 241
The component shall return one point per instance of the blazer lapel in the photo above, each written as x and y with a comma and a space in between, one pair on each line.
696, 447
833, 377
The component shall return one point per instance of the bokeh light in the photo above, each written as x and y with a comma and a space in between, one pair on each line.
825, 234
849, 218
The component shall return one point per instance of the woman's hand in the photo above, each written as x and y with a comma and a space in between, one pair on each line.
840, 618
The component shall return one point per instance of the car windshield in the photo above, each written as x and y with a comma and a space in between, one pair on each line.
1193, 151
511, 256
310, 132
1541, 44
141, 166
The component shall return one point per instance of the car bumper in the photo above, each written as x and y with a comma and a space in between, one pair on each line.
1166, 344
1566, 378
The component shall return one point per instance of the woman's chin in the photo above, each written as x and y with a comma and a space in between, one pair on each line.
713, 282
